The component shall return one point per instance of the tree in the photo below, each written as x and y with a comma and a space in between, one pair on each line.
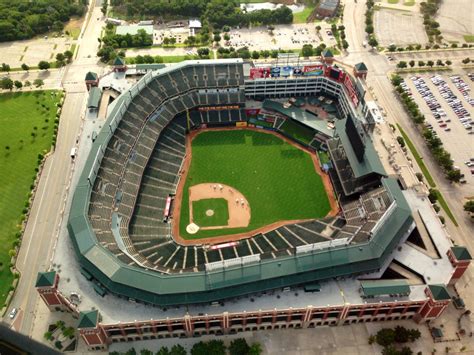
215, 347
448, 62
18, 84
38, 83
414, 334
405, 351
396, 80
255, 55
255, 349
239, 347
177, 350
402, 64
318, 28
385, 337
226, 37
345, 44
466, 60
430, 63
146, 352
103, 9
217, 38
421, 63
390, 350
373, 42
27, 83
68, 55
392, 48
163, 351
433, 195
69, 332
419, 176
454, 175
307, 50
411, 63
6, 83
43, 65
401, 141
401, 334
48, 335
469, 206
25, 67
131, 351
5, 67
60, 59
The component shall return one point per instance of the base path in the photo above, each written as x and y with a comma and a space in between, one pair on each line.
237, 204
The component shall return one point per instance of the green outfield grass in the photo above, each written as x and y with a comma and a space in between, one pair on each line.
20, 113
278, 180
217, 205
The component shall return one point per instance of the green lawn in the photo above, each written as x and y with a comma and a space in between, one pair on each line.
323, 157
417, 157
297, 131
393, 1
469, 38
19, 115
300, 17
278, 180
219, 208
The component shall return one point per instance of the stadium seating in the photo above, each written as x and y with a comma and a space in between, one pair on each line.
141, 165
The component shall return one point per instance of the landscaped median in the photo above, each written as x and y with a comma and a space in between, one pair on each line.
28, 127
427, 175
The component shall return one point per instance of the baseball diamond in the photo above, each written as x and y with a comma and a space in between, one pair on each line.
277, 179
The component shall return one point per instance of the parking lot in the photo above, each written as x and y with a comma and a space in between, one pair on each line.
32, 51
455, 19
401, 27
284, 36
448, 105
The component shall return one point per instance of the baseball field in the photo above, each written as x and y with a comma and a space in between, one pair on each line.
277, 180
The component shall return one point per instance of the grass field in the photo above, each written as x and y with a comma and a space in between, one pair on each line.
278, 180
21, 115
217, 205
300, 17
469, 38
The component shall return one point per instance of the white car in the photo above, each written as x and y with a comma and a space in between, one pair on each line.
13, 313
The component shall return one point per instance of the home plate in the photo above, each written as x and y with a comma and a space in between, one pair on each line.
192, 228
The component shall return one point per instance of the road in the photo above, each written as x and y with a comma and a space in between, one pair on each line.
378, 79
46, 212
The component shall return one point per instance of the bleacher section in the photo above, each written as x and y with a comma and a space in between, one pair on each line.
141, 167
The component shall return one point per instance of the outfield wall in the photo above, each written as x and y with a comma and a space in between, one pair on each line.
195, 287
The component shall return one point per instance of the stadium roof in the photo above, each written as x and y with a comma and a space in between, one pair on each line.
384, 287
154, 66
45, 279
91, 76
88, 319
118, 61
461, 253
327, 53
94, 97
150, 286
370, 163
361, 66
300, 115
329, 4
133, 29
439, 292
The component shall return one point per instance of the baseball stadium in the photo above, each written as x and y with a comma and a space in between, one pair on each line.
215, 179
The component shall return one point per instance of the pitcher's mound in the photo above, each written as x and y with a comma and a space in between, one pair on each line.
210, 213
192, 228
